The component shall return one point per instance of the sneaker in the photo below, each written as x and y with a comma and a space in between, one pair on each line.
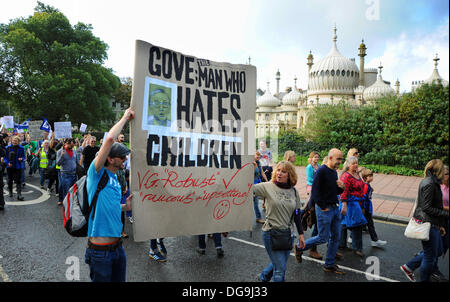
339, 256
260, 220
161, 247
131, 219
408, 273
220, 252
378, 243
157, 256
438, 277
201, 251
334, 269
298, 254
349, 240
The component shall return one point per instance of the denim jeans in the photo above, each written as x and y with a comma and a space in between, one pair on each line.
42, 178
278, 260
217, 240
107, 266
256, 207
428, 258
356, 235
329, 228
67, 181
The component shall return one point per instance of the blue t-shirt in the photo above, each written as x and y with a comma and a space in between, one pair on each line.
107, 221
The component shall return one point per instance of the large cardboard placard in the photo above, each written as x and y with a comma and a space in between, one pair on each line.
192, 143
34, 130
63, 130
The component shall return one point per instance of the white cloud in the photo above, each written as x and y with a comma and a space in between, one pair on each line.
410, 57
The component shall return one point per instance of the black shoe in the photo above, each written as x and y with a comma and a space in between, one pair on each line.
220, 252
334, 269
438, 277
201, 251
20, 197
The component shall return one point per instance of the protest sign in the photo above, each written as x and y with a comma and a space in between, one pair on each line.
8, 121
83, 127
192, 142
63, 130
34, 130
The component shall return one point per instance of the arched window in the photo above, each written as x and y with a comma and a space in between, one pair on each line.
321, 73
343, 72
352, 73
332, 72
327, 72
348, 73
337, 72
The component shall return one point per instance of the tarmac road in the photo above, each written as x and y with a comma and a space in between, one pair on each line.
35, 247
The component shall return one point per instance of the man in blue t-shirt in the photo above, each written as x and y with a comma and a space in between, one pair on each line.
105, 255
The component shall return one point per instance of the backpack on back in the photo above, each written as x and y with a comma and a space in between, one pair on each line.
76, 209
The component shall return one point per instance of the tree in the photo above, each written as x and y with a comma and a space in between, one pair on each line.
122, 94
51, 68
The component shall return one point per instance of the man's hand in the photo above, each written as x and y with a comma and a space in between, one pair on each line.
127, 207
301, 241
340, 184
129, 114
344, 209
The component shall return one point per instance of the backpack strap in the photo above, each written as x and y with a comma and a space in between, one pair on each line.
101, 184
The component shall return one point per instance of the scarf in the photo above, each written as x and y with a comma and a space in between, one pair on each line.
283, 185
70, 152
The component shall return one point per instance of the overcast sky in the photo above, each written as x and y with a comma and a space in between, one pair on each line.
404, 35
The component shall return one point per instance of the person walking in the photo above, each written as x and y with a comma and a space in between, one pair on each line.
42, 154
283, 201
325, 189
2, 168
67, 159
14, 159
351, 199
311, 170
105, 254
259, 176
429, 209
89, 152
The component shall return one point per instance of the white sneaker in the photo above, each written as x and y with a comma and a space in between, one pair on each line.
349, 240
379, 243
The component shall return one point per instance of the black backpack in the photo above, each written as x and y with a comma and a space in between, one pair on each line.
76, 209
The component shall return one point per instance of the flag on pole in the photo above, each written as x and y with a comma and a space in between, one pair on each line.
45, 125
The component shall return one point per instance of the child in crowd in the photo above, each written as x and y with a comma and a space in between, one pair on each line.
367, 176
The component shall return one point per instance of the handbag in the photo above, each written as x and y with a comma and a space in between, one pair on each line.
282, 239
417, 229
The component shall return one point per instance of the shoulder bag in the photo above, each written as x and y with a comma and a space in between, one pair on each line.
282, 239
417, 229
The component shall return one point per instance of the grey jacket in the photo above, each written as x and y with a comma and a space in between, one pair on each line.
68, 164
429, 202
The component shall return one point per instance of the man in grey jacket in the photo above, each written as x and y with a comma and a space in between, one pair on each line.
67, 159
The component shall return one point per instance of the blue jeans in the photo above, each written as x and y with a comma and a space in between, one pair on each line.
217, 240
41, 174
278, 260
329, 228
107, 266
67, 181
256, 207
356, 235
428, 258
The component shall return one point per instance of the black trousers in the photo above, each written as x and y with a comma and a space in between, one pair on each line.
16, 176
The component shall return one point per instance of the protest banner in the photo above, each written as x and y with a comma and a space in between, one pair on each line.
192, 142
63, 130
8, 121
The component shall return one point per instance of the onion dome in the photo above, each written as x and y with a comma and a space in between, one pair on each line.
267, 99
435, 77
293, 97
378, 89
333, 74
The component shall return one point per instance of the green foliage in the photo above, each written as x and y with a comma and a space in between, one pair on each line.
54, 68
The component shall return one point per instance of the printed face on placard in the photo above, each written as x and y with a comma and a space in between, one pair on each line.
159, 107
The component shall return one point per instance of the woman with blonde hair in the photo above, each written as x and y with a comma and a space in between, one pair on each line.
290, 156
282, 205
429, 209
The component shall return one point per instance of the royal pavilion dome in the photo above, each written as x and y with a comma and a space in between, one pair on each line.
293, 97
378, 89
267, 99
333, 74
435, 77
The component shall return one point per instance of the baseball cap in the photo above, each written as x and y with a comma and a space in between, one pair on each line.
118, 150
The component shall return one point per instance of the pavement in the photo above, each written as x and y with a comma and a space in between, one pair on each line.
393, 195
